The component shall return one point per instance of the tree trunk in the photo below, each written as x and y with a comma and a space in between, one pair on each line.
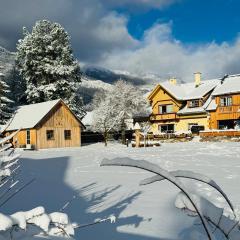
123, 133
105, 138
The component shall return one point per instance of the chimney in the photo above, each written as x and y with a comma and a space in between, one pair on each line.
173, 81
197, 78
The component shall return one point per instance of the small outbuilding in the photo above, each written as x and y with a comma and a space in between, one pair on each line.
46, 125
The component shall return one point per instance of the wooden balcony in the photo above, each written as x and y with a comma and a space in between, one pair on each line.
228, 112
165, 116
229, 109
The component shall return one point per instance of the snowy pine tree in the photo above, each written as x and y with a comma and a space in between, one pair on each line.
17, 86
45, 61
5, 103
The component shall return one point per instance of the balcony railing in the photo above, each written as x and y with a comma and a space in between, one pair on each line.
165, 116
229, 109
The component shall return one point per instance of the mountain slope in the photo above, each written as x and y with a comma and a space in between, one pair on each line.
109, 76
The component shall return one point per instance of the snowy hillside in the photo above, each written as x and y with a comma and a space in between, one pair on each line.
95, 84
111, 76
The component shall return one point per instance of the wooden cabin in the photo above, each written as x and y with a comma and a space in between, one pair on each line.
46, 125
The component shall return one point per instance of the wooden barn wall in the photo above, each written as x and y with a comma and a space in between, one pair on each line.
59, 119
20, 140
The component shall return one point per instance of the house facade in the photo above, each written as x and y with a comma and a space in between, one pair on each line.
46, 125
212, 105
224, 108
177, 106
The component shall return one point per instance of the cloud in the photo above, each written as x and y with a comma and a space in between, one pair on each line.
139, 4
159, 52
94, 30
99, 35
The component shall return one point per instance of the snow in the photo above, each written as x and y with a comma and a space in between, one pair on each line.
88, 119
28, 116
142, 212
231, 84
187, 110
90, 83
212, 105
187, 91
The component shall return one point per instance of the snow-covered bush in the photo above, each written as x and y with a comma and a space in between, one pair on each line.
211, 217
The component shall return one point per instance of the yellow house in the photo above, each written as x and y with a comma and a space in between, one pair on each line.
176, 107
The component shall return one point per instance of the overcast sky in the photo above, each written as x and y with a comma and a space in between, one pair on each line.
168, 37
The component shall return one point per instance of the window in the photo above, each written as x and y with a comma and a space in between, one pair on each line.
226, 101
50, 134
162, 109
67, 134
28, 136
166, 128
191, 124
193, 103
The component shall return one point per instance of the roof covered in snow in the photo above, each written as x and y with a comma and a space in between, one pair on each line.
186, 110
212, 105
187, 91
88, 118
28, 116
230, 84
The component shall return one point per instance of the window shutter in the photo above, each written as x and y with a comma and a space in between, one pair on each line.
169, 108
160, 109
222, 101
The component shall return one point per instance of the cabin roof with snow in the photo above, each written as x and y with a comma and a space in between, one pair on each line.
28, 116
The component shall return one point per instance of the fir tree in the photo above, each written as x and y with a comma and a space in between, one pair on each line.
17, 86
5, 102
45, 61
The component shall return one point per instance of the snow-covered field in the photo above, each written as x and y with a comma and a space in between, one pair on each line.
143, 212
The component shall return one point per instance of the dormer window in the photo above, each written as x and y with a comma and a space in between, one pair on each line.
226, 101
163, 109
193, 103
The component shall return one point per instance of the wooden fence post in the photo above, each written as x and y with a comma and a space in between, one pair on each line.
137, 129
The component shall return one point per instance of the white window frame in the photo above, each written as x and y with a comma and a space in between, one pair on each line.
28, 136
226, 101
168, 107
194, 103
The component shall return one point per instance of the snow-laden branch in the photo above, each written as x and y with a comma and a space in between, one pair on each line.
5, 139
214, 215
47, 223
191, 175
162, 172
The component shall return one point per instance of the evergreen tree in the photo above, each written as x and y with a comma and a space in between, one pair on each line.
5, 103
45, 61
17, 86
